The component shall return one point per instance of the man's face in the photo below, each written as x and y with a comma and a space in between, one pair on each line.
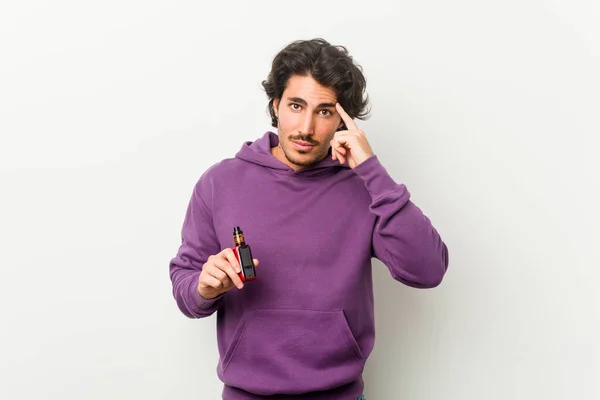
307, 122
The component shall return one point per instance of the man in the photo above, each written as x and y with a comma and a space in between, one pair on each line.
315, 205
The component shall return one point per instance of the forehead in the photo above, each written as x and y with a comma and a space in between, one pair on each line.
307, 88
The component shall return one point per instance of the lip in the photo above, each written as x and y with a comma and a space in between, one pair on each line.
304, 146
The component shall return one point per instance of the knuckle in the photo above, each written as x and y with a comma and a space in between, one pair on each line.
220, 275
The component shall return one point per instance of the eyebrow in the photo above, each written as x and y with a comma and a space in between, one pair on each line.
303, 102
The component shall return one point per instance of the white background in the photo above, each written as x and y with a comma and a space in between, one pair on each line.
487, 111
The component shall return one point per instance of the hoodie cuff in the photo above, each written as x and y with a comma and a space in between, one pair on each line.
376, 178
200, 302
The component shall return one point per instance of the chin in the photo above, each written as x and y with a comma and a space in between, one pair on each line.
303, 162
302, 159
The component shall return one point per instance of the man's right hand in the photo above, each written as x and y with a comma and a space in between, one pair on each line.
220, 274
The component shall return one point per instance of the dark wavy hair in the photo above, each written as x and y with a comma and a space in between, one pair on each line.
331, 66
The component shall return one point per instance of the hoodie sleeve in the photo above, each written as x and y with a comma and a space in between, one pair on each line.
403, 238
198, 242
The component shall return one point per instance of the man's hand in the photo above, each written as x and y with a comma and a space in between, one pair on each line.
220, 274
350, 144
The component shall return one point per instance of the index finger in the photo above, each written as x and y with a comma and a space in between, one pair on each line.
232, 269
345, 117
229, 256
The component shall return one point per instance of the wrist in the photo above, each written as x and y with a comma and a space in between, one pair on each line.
207, 293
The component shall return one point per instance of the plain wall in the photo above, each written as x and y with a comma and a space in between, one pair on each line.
487, 111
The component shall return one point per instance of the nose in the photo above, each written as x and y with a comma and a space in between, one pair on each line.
307, 124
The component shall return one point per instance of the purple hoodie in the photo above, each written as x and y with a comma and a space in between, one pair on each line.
305, 326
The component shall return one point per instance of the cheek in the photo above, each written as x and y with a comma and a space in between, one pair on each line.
287, 120
327, 129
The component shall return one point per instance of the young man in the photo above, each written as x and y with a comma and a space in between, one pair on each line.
315, 205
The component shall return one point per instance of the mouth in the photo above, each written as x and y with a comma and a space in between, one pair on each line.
302, 145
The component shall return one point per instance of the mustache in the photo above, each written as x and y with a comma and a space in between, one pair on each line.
307, 139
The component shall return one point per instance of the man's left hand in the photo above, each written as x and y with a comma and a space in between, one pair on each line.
350, 144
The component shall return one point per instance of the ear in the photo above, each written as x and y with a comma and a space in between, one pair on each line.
276, 107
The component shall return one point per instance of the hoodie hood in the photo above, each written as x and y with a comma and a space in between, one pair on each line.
259, 152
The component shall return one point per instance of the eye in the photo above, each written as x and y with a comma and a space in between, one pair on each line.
325, 112
295, 106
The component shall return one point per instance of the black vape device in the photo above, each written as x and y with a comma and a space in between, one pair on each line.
244, 256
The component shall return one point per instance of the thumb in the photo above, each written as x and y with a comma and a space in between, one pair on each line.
255, 260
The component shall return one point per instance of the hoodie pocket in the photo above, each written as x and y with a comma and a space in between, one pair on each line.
291, 352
